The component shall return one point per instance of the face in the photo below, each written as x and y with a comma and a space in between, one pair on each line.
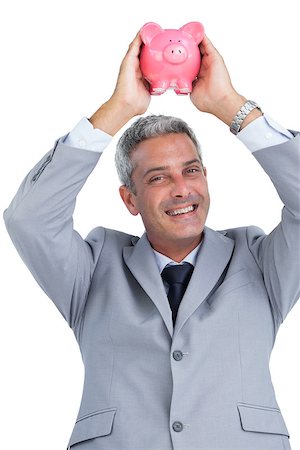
171, 193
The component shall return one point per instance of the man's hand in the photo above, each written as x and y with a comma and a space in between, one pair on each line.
131, 96
212, 91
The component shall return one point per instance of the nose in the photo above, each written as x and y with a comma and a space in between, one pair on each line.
175, 53
180, 188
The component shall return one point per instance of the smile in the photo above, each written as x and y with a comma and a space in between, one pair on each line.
176, 212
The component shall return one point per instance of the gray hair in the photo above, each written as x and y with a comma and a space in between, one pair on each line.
142, 129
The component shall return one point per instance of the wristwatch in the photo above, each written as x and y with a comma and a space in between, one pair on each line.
241, 115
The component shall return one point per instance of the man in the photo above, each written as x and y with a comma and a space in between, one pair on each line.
169, 363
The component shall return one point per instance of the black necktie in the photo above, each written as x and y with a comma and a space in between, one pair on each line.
177, 277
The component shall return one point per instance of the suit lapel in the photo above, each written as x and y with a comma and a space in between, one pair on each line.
140, 260
212, 259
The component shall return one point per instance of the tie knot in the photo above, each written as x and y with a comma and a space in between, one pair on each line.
179, 273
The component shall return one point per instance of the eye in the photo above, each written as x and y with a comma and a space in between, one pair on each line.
193, 170
170, 40
156, 179
179, 40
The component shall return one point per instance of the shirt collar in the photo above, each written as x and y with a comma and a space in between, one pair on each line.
163, 260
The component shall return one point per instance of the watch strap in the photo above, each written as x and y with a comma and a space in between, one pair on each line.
241, 115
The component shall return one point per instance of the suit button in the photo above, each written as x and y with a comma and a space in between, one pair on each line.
177, 355
177, 426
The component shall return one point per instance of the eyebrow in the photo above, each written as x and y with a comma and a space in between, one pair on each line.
160, 168
192, 161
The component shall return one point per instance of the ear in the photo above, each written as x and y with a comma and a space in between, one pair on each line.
205, 171
128, 198
149, 31
195, 29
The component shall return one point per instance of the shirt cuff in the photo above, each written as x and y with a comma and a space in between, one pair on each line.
262, 133
86, 137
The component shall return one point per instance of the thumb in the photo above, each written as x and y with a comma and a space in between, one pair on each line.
135, 46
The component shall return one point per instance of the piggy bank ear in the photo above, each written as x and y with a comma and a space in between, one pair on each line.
148, 31
195, 29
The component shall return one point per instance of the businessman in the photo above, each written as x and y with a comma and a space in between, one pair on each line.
175, 328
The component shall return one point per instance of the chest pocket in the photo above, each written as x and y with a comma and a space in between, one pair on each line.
94, 425
261, 419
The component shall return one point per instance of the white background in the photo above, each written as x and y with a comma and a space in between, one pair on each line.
59, 62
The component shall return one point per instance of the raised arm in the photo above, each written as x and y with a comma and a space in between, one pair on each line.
39, 218
277, 254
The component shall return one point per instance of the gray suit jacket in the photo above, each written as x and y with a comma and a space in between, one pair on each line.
204, 384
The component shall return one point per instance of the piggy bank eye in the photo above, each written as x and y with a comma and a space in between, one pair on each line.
179, 40
170, 40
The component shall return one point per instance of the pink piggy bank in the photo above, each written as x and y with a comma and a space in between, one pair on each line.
171, 58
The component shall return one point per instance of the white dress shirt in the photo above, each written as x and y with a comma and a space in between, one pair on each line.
163, 260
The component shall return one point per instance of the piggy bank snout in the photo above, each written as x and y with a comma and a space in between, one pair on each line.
175, 53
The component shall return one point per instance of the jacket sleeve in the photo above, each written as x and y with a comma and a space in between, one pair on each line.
39, 222
278, 254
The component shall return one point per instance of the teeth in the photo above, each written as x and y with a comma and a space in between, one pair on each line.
175, 212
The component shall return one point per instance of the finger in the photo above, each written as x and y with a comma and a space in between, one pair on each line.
206, 47
135, 45
132, 52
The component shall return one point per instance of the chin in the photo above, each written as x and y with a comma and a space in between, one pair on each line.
187, 236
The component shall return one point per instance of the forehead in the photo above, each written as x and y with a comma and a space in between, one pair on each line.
168, 149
